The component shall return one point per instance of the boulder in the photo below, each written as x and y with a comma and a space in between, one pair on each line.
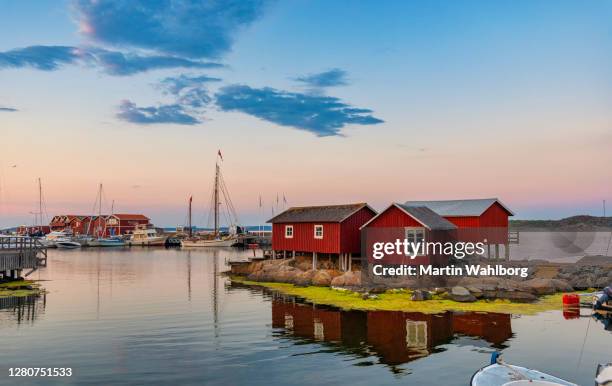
347, 279
517, 296
420, 295
321, 278
540, 286
475, 291
461, 294
304, 278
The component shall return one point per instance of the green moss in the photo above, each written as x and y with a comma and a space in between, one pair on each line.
20, 288
399, 300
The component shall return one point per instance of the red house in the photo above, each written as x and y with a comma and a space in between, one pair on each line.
117, 224
474, 220
414, 223
332, 230
78, 224
477, 219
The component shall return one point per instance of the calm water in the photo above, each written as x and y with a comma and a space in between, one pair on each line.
163, 316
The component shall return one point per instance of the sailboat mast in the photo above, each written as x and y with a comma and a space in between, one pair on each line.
216, 199
40, 202
100, 211
190, 227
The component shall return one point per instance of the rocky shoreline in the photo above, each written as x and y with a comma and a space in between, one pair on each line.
544, 279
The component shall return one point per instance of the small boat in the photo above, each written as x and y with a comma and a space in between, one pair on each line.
218, 242
499, 373
50, 239
108, 242
144, 236
67, 244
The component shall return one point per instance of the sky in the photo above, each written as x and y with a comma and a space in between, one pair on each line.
321, 102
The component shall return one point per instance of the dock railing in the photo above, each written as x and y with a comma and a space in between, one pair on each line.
21, 252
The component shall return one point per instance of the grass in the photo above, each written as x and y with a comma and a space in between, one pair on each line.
19, 288
399, 300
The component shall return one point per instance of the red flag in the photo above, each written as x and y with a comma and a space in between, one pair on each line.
190, 199
219, 153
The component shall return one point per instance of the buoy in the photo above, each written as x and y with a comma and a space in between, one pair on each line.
571, 300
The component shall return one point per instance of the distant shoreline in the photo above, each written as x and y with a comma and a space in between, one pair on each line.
581, 223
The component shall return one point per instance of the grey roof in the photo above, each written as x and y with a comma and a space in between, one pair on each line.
474, 207
325, 213
428, 217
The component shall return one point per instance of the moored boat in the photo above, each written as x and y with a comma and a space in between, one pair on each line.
107, 242
67, 244
200, 242
145, 236
499, 373
216, 238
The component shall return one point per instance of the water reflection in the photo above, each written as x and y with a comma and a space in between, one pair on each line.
394, 337
21, 309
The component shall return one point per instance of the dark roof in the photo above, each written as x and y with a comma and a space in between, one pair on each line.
325, 213
473, 207
428, 217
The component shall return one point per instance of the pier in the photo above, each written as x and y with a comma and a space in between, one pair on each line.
18, 253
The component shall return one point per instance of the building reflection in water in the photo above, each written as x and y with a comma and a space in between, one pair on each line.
21, 309
395, 337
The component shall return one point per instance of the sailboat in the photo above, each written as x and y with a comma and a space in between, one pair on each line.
101, 240
217, 240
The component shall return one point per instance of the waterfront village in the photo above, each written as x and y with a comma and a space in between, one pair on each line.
321, 246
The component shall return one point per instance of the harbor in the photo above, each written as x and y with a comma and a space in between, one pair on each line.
140, 311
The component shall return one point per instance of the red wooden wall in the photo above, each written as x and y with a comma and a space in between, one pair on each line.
350, 241
337, 237
394, 218
303, 238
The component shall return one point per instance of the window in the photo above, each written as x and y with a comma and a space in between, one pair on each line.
318, 231
415, 235
288, 231
416, 334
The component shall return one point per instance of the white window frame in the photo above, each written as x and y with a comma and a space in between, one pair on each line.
412, 231
315, 231
287, 227
416, 334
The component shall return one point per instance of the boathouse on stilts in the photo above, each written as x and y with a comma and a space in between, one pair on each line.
329, 232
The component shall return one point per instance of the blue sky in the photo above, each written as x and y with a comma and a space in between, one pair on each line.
472, 98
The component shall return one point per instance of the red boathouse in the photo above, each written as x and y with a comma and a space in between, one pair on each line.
332, 230
476, 220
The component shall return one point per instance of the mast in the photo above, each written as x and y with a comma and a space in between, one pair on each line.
40, 202
190, 227
100, 210
216, 199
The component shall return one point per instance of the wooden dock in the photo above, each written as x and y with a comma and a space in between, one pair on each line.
18, 253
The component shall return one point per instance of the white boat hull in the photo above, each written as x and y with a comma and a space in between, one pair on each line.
67, 244
106, 243
510, 375
149, 242
208, 243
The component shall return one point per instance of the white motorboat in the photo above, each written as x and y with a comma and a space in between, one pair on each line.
145, 236
50, 239
66, 244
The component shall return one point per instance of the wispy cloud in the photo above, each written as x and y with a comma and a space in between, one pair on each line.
321, 115
190, 91
331, 78
46, 58
191, 29
50, 58
170, 113
191, 98
7, 109
118, 63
